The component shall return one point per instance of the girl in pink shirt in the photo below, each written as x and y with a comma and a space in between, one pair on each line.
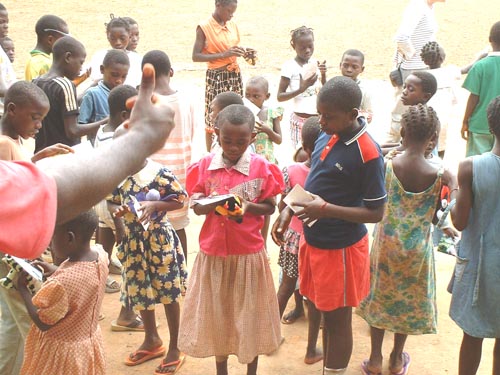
230, 305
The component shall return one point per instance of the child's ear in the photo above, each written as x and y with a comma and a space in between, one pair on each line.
124, 115
402, 132
71, 237
254, 135
362, 69
171, 73
354, 114
427, 96
216, 131
11, 109
67, 56
268, 96
101, 68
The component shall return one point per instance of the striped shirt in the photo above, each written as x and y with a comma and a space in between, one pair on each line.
418, 27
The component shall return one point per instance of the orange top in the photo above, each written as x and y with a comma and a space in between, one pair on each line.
219, 39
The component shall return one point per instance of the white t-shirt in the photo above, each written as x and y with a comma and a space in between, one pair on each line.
134, 72
305, 102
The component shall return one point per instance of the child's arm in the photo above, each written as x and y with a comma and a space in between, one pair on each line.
26, 295
460, 212
281, 225
322, 71
150, 207
284, 95
75, 130
469, 110
50, 151
200, 209
199, 56
318, 208
266, 207
274, 134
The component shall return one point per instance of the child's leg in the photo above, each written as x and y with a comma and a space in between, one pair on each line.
171, 361
265, 230
337, 338
128, 318
396, 360
152, 340
285, 291
106, 238
252, 366
221, 365
496, 357
181, 233
470, 355
313, 354
374, 364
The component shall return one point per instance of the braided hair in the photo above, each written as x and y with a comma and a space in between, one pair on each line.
116, 22
432, 54
493, 114
420, 122
295, 34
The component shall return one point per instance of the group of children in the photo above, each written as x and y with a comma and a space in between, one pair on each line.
230, 304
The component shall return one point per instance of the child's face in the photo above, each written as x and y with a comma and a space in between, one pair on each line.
333, 120
225, 12
8, 47
413, 93
304, 47
114, 75
256, 94
4, 23
134, 37
234, 140
351, 66
74, 63
214, 111
118, 38
62, 241
27, 118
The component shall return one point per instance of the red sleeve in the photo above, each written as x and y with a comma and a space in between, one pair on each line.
28, 209
275, 184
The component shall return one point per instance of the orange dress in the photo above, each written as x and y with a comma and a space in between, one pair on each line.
70, 300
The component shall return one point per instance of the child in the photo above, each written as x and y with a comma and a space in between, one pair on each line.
134, 34
154, 271
402, 297
230, 305
347, 183
8, 47
60, 124
176, 153
25, 107
220, 102
419, 87
483, 82
65, 310
49, 29
7, 73
475, 302
118, 34
299, 81
296, 174
94, 106
352, 65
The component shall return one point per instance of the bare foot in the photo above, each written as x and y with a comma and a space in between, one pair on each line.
292, 316
313, 356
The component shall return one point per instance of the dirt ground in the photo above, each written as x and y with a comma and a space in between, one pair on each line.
364, 24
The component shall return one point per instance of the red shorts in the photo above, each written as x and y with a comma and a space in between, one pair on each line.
332, 279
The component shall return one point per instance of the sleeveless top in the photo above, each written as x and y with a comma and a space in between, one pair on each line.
219, 39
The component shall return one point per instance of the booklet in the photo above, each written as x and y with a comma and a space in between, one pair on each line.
214, 199
298, 194
32, 271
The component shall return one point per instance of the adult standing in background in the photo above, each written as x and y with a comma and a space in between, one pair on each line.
217, 44
417, 27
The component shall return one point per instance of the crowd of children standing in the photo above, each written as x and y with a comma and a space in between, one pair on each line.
230, 304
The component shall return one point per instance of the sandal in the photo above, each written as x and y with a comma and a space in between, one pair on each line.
115, 267
174, 366
135, 326
112, 286
291, 317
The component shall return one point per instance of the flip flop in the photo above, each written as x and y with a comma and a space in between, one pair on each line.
135, 326
176, 364
364, 368
291, 317
146, 355
406, 365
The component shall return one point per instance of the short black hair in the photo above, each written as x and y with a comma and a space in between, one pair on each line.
116, 22
49, 21
118, 98
493, 115
2, 7
130, 21
354, 52
5, 39
342, 93
432, 53
420, 122
84, 224
310, 132
22, 93
428, 81
236, 114
66, 44
115, 56
495, 33
227, 98
259, 81
225, 2
160, 62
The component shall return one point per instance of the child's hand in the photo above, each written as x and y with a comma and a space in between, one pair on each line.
281, 225
22, 280
306, 83
465, 131
148, 208
234, 51
121, 211
260, 127
82, 77
312, 210
47, 268
322, 67
47, 152
450, 232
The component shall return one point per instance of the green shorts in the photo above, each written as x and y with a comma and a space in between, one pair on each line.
478, 143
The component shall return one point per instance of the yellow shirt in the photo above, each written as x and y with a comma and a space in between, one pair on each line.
38, 64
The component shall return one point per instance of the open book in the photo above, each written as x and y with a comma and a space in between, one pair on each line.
298, 195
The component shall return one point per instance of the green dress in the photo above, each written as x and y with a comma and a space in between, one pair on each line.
402, 295
263, 145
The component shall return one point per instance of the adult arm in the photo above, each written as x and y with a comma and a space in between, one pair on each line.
460, 212
469, 110
83, 180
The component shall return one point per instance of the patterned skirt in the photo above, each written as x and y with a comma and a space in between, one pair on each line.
288, 257
216, 82
230, 308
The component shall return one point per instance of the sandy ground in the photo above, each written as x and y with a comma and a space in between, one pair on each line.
364, 24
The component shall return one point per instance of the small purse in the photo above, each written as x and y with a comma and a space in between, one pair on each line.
396, 76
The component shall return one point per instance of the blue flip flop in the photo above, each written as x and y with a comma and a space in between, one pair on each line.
406, 365
364, 368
